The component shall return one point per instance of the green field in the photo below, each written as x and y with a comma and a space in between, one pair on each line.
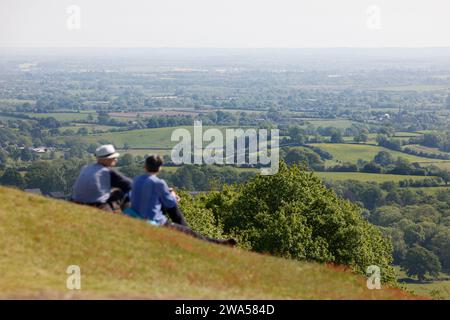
89, 127
406, 134
122, 258
401, 136
64, 116
14, 102
420, 148
5, 118
145, 138
361, 176
432, 190
428, 131
144, 152
439, 289
441, 164
435, 289
337, 123
352, 152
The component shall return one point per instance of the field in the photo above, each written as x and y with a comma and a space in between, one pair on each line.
420, 148
145, 138
435, 289
361, 176
406, 134
352, 152
439, 289
441, 164
155, 138
14, 102
342, 176
163, 112
337, 123
64, 116
144, 152
5, 118
402, 136
412, 87
433, 190
120, 257
76, 126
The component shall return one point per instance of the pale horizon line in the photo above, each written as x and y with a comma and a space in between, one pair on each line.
223, 48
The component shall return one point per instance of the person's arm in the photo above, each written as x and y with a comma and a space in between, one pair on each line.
120, 181
166, 197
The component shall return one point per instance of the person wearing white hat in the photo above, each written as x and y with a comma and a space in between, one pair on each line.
99, 185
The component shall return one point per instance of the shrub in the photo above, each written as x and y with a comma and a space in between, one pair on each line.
198, 217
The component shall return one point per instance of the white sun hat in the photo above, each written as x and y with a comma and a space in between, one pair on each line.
106, 151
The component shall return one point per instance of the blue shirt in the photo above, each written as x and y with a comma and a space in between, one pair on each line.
150, 194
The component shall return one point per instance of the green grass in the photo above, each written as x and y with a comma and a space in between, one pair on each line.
5, 118
361, 176
438, 289
144, 152
15, 102
89, 127
63, 116
120, 257
435, 289
406, 134
352, 152
239, 170
441, 164
432, 190
145, 138
401, 136
337, 123
428, 131
420, 148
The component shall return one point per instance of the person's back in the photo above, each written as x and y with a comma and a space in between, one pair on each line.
93, 185
150, 194
99, 185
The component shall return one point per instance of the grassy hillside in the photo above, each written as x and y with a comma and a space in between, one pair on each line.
121, 257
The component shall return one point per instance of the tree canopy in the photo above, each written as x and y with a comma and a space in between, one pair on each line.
292, 214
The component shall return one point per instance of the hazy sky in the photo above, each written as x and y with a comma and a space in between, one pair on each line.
225, 23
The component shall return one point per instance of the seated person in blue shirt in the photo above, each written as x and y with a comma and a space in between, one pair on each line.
151, 196
99, 185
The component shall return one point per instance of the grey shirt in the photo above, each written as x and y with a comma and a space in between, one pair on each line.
94, 184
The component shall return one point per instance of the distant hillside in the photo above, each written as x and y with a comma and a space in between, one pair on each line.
124, 258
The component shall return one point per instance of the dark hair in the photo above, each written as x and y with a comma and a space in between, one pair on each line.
153, 163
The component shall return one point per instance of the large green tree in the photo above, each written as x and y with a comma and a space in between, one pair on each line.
420, 262
45, 176
12, 178
292, 214
441, 245
302, 156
